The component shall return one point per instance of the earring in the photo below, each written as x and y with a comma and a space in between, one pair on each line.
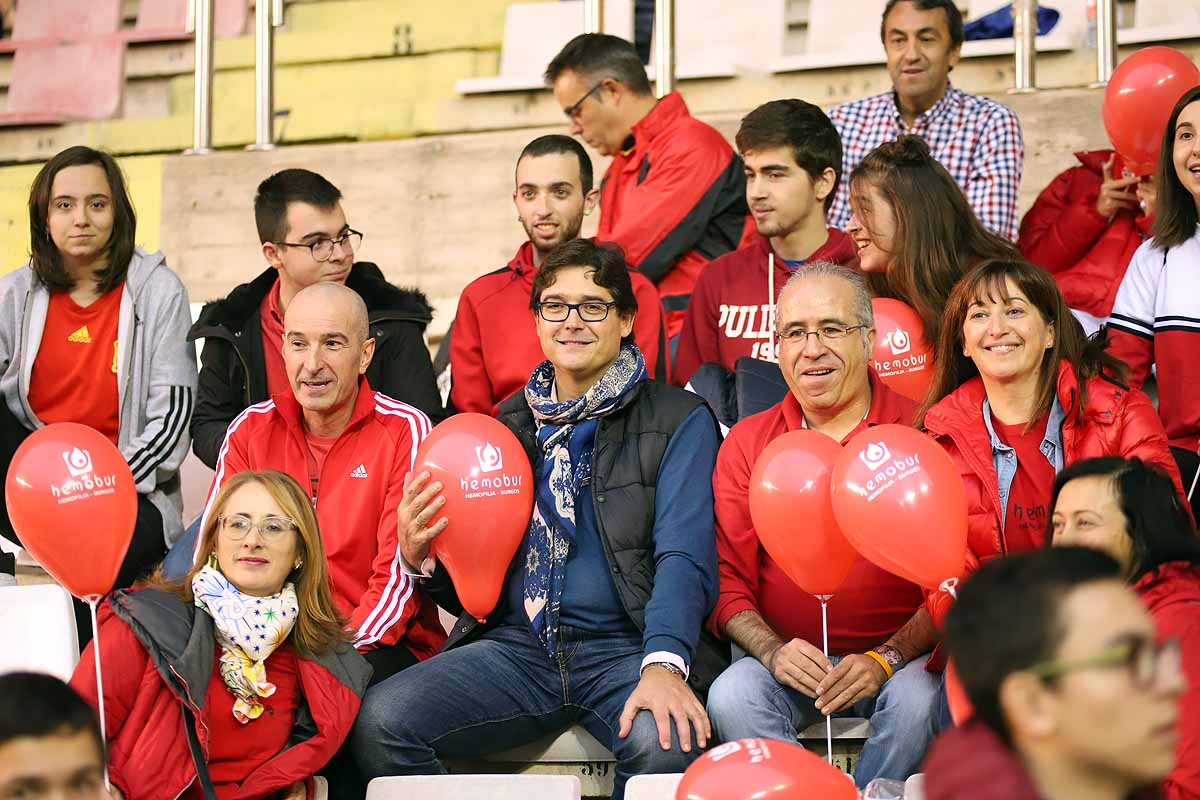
212, 561
298, 564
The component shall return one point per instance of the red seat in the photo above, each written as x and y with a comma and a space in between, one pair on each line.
57, 83
52, 21
166, 20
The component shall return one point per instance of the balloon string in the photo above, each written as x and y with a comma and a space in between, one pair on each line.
828, 717
91, 601
1192, 490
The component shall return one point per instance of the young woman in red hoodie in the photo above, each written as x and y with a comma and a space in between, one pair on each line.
238, 683
1132, 511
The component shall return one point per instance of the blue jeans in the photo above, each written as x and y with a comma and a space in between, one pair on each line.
179, 557
746, 702
502, 691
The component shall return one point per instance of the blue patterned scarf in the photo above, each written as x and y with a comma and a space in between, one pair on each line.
566, 434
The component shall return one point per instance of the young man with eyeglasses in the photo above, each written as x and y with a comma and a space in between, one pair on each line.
1073, 695
491, 356
600, 618
305, 240
674, 195
880, 634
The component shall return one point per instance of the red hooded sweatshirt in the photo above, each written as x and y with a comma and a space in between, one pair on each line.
1064, 234
731, 312
1171, 594
494, 345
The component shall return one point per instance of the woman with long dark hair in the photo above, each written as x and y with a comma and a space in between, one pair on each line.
1132, 511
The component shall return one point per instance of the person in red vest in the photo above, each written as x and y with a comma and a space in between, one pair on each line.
1084, 228
674, 195
793, 160
493, 341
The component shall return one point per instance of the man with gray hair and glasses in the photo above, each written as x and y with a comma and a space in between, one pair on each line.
880, 634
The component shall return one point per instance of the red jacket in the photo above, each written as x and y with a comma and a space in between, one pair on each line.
1172, 596
151, 674
494, 345
1064, 234
674, 200
730, 312
361, 485
1115, 421
870, 605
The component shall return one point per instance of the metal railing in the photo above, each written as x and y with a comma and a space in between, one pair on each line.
200, 22
1106, 40
268, 15
1025, 30
664, 47
593, 16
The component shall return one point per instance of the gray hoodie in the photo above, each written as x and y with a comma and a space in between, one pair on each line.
156, 372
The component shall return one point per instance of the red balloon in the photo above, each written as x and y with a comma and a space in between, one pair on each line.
488, 486
72, 500
902, 358
763, 769
1138, 102
792, 512
900, 501
961, 708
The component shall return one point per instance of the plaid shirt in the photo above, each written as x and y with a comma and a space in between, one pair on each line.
977, 140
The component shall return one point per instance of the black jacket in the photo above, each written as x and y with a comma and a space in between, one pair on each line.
630, 444
233, 373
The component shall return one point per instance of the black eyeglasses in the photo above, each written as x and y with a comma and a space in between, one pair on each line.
825, 334
572, 111
590, 311
1143, 658
322, 249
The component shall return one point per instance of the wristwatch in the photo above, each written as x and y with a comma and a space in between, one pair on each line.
891, 655
669, 667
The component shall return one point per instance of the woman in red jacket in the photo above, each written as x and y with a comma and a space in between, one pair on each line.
1084, 228
247, 656
1018, 393
1132, 511
915, 231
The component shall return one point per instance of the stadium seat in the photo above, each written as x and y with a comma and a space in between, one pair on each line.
166, 20
533, 35
1161, 20
1067, 34
653, 787
914, 787
493, 787
37, 626
715, 37
841, 33
52, 84
55, 21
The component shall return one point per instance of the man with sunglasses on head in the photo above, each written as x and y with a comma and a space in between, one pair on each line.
1073, 695
674, 194
880, 635
305, 240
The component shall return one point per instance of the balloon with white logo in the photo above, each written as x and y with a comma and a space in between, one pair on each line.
900, 501
902, 358
763, 768
488, 485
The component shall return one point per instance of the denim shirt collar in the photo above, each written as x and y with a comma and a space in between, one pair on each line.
1004, 458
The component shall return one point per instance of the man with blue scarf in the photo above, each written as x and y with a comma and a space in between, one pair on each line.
600, 621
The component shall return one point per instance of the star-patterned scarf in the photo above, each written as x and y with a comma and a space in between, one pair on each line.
566, 435
248, 630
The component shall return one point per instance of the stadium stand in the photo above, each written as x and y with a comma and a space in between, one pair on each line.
495, 787
55, 21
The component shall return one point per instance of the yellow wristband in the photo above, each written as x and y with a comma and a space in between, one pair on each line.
881, 661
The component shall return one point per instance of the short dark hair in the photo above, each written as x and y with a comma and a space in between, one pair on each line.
44, 258
1007, 618
1159, 526
284, 187
954, 20
555, 143
596, 56
36, 705
610, 272
804, 128
1175, 213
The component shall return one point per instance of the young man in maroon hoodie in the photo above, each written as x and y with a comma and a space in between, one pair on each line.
494, 344
793, 162
1074, 695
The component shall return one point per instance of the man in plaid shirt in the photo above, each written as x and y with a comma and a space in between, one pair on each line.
976, 139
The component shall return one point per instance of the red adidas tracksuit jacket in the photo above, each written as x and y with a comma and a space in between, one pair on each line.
360, 486
730, 313
494, 345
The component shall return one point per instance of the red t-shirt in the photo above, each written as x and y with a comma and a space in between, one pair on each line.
1029, 495
74, 377
272, 333
235, 750
318, 449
